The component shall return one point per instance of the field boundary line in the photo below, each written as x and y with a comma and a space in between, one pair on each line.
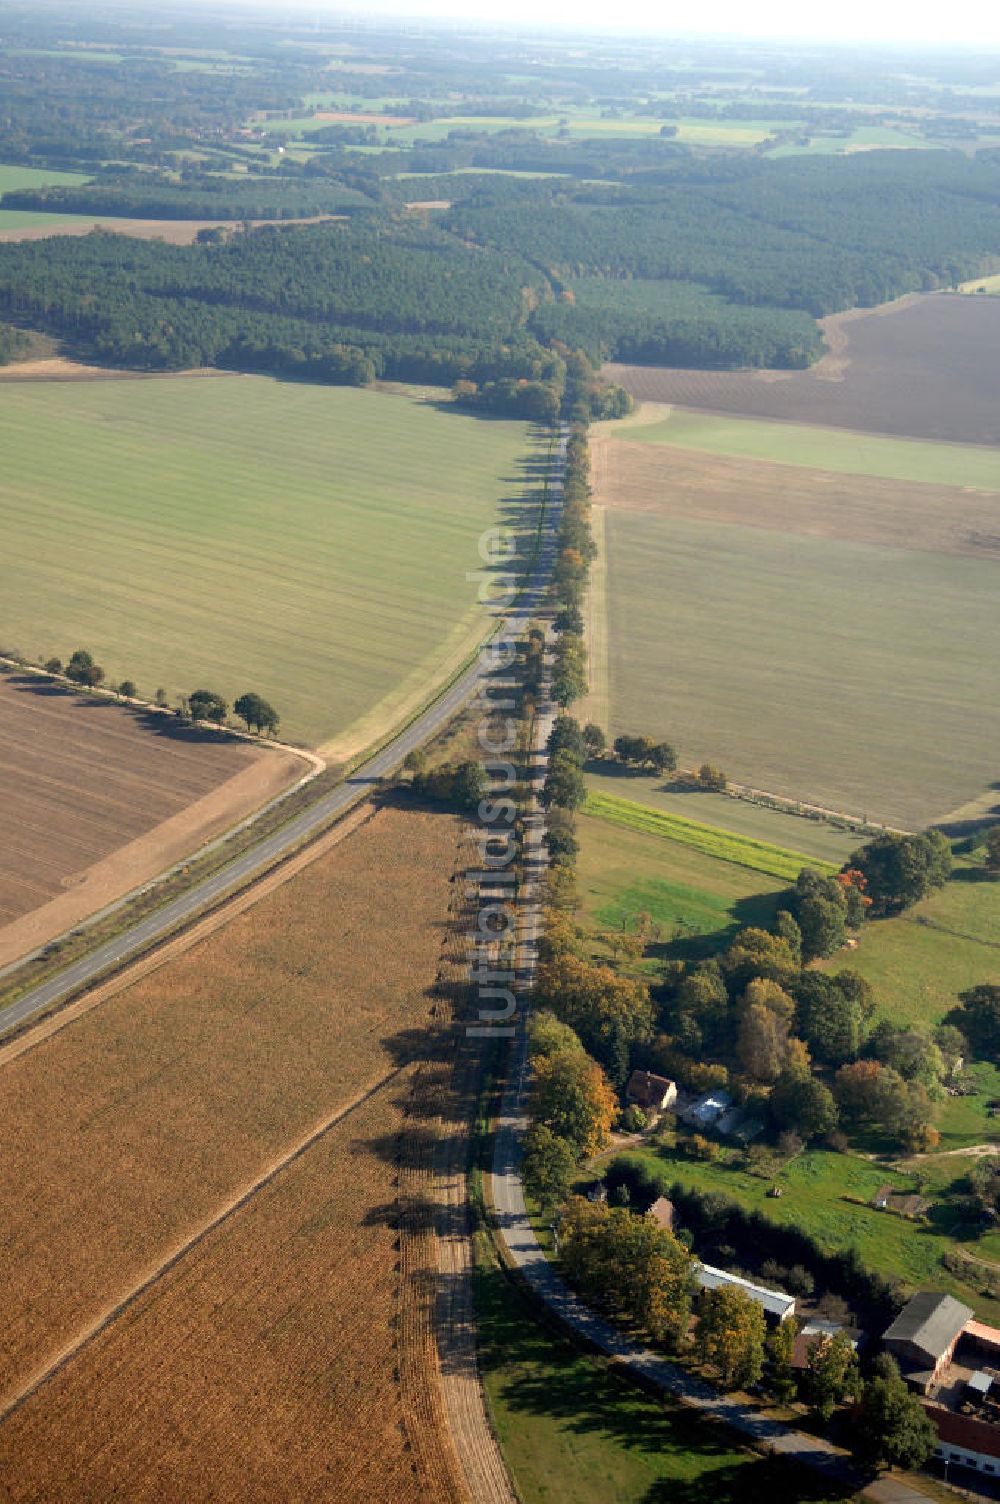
175, 945
711, 840
108, 1317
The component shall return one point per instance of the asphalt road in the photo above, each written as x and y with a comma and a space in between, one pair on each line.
132, 942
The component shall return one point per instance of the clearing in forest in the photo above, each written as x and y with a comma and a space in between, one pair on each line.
309, 542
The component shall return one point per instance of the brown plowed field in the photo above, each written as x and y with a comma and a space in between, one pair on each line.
265, 1352
925, 367
96, 798
792, 499
262, 1367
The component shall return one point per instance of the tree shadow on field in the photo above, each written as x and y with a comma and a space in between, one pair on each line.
542, 1375
162, 723
757, 910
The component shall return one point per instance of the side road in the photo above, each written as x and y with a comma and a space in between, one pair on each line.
164, 921
525, 1254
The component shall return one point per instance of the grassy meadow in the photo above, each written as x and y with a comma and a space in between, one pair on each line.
697, 900
820, 1192
850, 675
234, 532
14, 179
820, 448
989, 285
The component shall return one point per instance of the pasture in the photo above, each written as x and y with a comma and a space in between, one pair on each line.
990, 285
309, 542
13, 179
140, 1122
698, 901
924, 367
803, 665
919, 962
816, 448
96, 798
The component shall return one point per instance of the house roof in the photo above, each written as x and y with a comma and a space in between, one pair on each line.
775, 1302
812, 1330
965, 1431
647, 1089
662, 1213
709, 1107
930, 1322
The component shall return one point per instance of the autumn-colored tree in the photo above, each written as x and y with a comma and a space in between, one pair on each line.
761, 1044
780, 1352
730, 1335
597, 1002
767, 993
858, 1089
627, 1265
756, 953
572, 1096
831, 1373
547, 1035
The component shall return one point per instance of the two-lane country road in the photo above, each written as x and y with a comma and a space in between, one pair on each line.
166, 920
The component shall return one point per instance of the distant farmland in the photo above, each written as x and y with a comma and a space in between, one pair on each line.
311, 543
924, 367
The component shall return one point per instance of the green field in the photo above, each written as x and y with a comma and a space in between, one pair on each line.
815, 1185
989, 285
310, 542
698, 901
572, 1433
849, 675
824, 448
723, 845
815, 839
13, 179
919, 962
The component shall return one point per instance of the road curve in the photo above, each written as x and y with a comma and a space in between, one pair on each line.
131, 942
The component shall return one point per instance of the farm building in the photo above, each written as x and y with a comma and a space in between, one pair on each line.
777, 1305
650, 1092
888, 1199
663, 1213
707, 1110
924, 1335
964, 1441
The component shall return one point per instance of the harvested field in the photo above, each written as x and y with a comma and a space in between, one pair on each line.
96, 798
127, 1132
262, 1366
804, 665
674, 482
924, 367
